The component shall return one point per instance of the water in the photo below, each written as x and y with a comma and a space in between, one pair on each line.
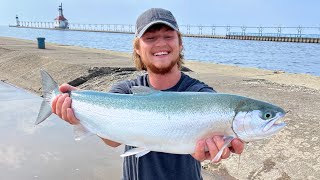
48, 150
288, 57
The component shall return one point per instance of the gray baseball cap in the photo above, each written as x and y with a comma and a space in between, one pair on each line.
155, 16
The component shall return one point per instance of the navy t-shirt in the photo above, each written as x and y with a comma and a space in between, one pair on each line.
158, 165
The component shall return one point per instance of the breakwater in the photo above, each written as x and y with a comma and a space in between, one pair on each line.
280, 34
274, 38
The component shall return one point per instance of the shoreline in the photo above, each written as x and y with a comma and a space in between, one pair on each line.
113, 57
278, 67
95, 69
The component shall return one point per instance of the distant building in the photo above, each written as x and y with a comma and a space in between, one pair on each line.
17, 21
61, 21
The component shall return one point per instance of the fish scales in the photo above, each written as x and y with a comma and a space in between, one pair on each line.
149, 117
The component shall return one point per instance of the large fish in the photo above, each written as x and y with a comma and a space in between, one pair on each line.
170, 122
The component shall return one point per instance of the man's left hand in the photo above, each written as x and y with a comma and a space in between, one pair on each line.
213, 145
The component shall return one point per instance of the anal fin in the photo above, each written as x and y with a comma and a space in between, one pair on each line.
138, 152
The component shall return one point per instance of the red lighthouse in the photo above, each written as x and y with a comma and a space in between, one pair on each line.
61, 21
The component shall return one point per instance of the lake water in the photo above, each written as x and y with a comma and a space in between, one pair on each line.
48, 150
288, 57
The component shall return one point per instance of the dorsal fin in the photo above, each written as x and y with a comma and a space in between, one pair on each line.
142, 90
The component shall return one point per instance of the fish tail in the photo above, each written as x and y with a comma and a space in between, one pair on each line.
49, 89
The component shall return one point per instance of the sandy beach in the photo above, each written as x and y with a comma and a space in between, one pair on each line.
294, 153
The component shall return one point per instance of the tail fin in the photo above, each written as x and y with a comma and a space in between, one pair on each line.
49, 89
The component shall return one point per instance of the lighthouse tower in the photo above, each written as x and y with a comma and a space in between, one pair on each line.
17, 21
61, 21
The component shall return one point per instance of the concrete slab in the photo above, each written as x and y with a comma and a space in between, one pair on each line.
47, 151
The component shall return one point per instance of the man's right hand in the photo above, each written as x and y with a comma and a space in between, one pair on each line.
61, 105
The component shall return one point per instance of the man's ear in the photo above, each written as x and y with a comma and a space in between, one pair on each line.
137, 51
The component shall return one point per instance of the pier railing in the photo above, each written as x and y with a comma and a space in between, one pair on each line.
208, 31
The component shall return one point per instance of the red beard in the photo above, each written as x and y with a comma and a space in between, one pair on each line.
162, 70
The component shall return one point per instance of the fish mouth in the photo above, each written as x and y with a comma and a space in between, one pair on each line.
274, 124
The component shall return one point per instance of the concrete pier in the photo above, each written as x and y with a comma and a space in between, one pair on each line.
273, 38
188, 31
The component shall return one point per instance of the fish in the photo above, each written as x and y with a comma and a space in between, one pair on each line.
161, 121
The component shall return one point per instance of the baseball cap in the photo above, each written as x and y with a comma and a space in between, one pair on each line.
155, 16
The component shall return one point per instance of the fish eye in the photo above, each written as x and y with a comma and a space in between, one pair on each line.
267, 115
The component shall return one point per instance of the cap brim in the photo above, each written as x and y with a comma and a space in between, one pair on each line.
153, 23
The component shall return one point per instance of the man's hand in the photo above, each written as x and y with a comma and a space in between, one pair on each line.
213, 145
61, 105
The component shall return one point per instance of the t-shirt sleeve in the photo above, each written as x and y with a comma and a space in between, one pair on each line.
207, 89
122, 87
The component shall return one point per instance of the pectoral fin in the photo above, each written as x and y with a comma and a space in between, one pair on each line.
139, 152
227, 141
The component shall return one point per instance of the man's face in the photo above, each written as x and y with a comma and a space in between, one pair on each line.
159, 49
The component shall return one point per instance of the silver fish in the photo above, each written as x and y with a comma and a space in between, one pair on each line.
170, 122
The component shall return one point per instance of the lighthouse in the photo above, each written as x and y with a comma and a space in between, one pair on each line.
61, 21
17, 21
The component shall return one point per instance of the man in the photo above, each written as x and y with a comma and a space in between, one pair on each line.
158, 50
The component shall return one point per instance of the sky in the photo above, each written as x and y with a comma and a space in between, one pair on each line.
192, 12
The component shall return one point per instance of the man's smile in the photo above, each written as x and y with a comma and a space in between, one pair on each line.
161, 53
